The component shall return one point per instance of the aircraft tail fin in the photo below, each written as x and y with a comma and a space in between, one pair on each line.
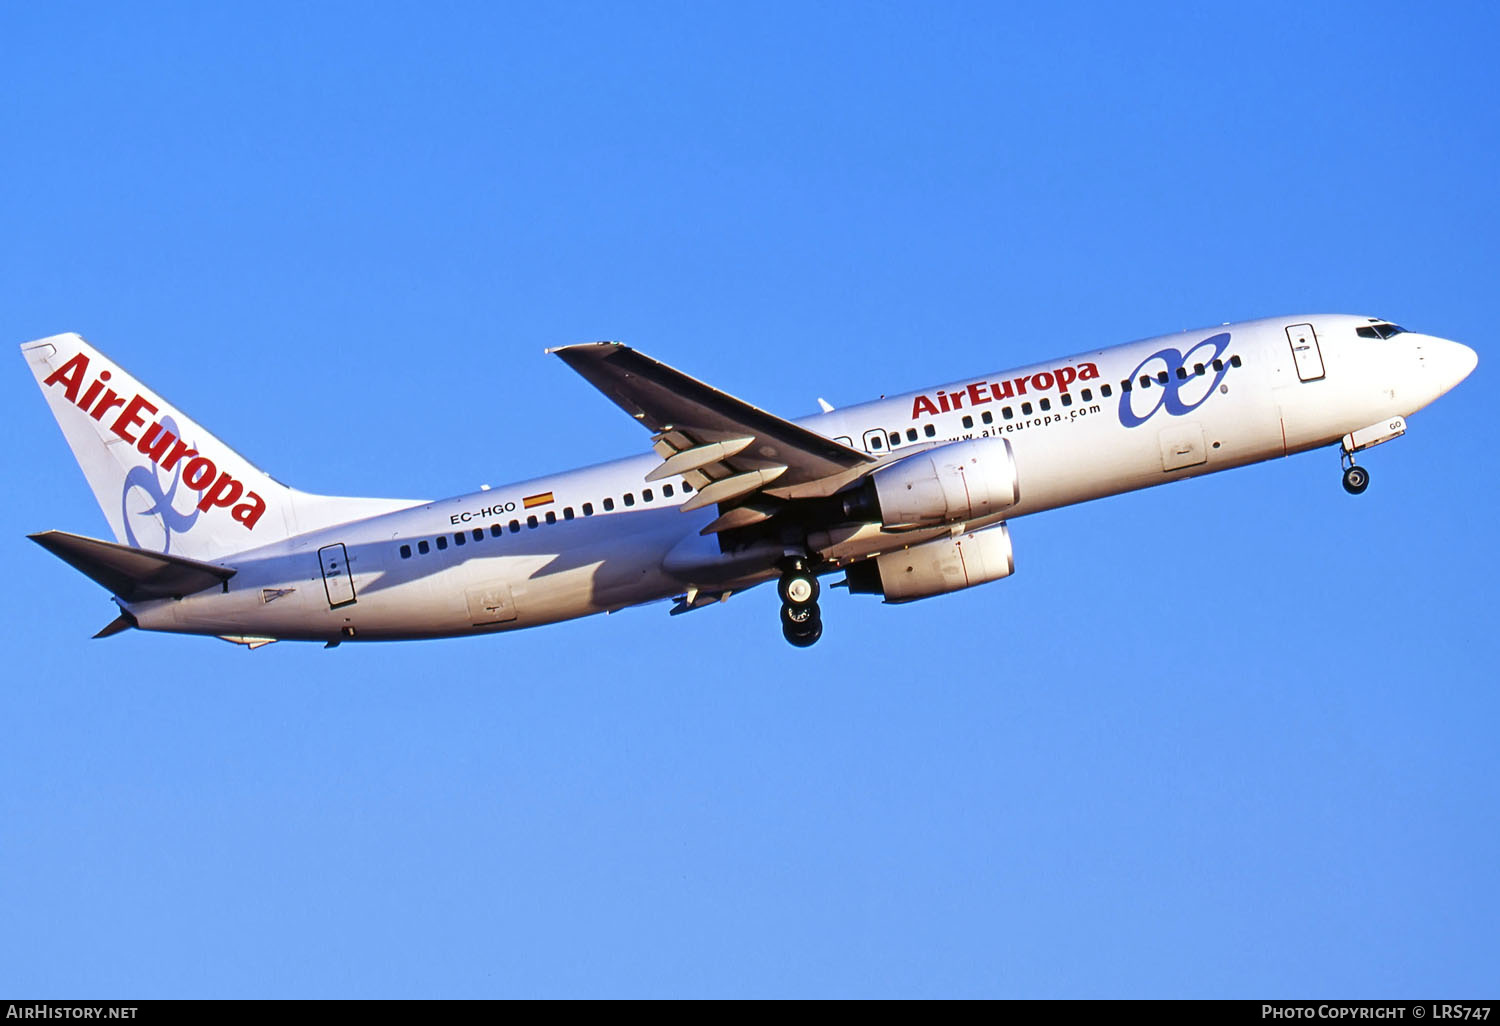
164, 482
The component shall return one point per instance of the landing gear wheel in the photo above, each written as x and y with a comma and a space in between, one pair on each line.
798, 588
799, 618
806, 638
801, 624
1356, 479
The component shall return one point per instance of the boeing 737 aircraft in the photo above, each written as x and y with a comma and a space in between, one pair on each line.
908, 497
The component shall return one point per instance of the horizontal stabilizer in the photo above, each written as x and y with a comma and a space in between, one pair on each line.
123, 622
133, 574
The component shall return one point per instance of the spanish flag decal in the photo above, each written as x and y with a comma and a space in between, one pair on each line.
533, 501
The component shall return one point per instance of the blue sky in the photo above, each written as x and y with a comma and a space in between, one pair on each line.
1233, 737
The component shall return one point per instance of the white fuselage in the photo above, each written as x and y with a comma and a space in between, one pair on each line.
602, 552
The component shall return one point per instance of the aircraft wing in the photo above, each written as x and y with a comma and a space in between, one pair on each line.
729, 450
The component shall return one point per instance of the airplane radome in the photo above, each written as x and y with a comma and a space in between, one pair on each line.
906, 497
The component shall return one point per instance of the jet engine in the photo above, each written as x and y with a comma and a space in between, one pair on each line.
936, 567
952, 483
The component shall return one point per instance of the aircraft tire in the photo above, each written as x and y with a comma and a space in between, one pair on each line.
798, 588
800, 618
805, 638
1356, 480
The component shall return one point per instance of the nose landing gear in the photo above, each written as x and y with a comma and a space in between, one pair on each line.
1356, 479
801, 621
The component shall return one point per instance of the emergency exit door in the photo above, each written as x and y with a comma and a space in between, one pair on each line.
337, 581
1305, 351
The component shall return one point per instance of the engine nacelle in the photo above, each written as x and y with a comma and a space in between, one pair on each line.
937, 567
952, 483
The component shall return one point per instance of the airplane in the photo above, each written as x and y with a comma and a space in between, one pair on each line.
909, 496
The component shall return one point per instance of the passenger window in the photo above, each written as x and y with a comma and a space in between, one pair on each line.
686, 487
666, 491
423, 547
645, 495
1145, 381
588, 509
1198, 369
1067, 398
1181, 373
567, 512
875, 442
515, 526
496, 530
1218, 365
1162, 377
1046, 403
1007, 413
1087, 394
609, 504
968, 421
987, 417
929, 430
458, 538
895, 439
406, 552
1234, 361
911, 434
630, 498
552, 516
1026, 409
478, 533
531, 521
1124, 386
442, 542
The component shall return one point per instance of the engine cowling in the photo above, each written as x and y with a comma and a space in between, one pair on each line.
956, 482
937, 567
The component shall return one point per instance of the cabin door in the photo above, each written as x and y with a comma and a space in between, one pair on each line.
338, 583
1305, 351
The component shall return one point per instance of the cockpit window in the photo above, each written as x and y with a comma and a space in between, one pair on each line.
1380, 329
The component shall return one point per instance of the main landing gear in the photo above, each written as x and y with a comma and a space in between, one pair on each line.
1356, 479
801, 623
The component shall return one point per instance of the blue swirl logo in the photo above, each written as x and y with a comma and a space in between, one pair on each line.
1169, 396
147, 478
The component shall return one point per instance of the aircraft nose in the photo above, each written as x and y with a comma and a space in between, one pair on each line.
1453, 361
